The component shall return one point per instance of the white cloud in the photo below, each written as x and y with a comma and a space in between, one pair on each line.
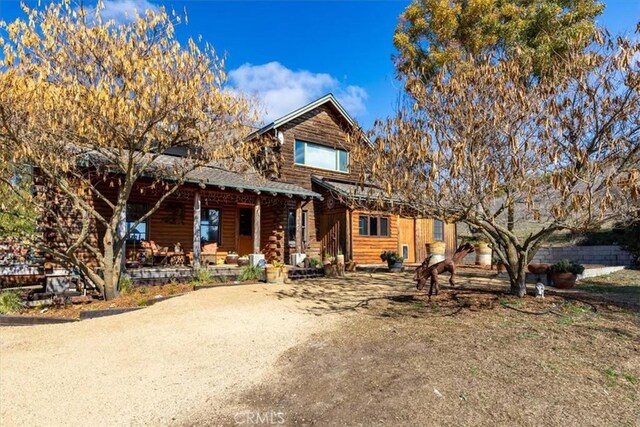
125, 10
280, 90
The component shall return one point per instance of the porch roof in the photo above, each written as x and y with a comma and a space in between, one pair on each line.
222, 178
353, 190
235, 174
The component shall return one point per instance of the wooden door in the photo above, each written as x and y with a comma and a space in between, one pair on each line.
332, 233
406, 239
245, 231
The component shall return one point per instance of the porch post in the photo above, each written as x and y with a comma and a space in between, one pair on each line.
256, 226
197, 208
299, 227
122, 231
347, 237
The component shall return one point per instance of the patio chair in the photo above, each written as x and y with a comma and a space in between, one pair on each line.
154, 252
209, 254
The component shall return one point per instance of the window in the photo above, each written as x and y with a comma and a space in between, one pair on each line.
438, 230
135, 211
210, 226
320, 156
291, 226
373, 225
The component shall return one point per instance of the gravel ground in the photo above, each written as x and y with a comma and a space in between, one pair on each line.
156, 366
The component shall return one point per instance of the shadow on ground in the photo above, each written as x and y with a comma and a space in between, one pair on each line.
468, 357
390, 294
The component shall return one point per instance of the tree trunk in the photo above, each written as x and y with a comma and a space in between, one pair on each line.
519, 286
111, 267
517, 270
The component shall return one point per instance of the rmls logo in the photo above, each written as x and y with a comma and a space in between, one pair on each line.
264, 418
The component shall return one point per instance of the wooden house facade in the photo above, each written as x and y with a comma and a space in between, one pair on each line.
304, 207
314, 149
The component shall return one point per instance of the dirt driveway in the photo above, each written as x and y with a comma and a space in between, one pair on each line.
155, 366
365, 350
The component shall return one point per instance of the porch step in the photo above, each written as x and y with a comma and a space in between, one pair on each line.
299, 273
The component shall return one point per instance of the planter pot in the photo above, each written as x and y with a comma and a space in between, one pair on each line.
436, 250
231, 259
243, 262
276, 274
536, 268
564, 280
340, 259
483, 253
395, 267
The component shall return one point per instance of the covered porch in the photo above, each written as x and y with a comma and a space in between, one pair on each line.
218, 215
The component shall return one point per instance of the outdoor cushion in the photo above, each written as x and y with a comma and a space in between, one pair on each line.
210, 248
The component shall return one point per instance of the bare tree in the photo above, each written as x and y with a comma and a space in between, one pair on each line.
93, 105
490, 146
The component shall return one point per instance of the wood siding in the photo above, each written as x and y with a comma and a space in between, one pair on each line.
320, 126
367, 249
424, 235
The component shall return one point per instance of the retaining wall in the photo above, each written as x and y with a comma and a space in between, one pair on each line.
604, 255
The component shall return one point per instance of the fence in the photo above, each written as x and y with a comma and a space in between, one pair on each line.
604, 255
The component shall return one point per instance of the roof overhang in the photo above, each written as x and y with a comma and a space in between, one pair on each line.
327, 99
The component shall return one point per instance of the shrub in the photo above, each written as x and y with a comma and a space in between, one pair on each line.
567, 266
277, 264
391, 257
251, 272
10, 301
315, 263
125, 285
203, 276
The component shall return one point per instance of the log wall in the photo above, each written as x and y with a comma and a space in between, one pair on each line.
367, 249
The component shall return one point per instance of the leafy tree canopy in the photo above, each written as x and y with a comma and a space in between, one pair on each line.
433, 34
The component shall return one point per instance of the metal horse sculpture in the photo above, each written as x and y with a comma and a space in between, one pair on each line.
449, 265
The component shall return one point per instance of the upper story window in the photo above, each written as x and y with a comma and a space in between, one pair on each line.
321, 157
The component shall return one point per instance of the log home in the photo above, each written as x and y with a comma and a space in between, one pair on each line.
302, 209
313, 150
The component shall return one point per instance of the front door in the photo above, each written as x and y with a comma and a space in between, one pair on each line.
245, 231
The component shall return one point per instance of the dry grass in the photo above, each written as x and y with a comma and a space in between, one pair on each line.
468, 357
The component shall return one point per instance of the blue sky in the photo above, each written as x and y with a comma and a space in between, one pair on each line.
288, 53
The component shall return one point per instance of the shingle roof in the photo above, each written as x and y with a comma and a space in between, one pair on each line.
352, 190
239, 176
215, 176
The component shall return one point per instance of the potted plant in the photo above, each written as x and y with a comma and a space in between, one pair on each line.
276, 272
564, 273
231, 258
394, 261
